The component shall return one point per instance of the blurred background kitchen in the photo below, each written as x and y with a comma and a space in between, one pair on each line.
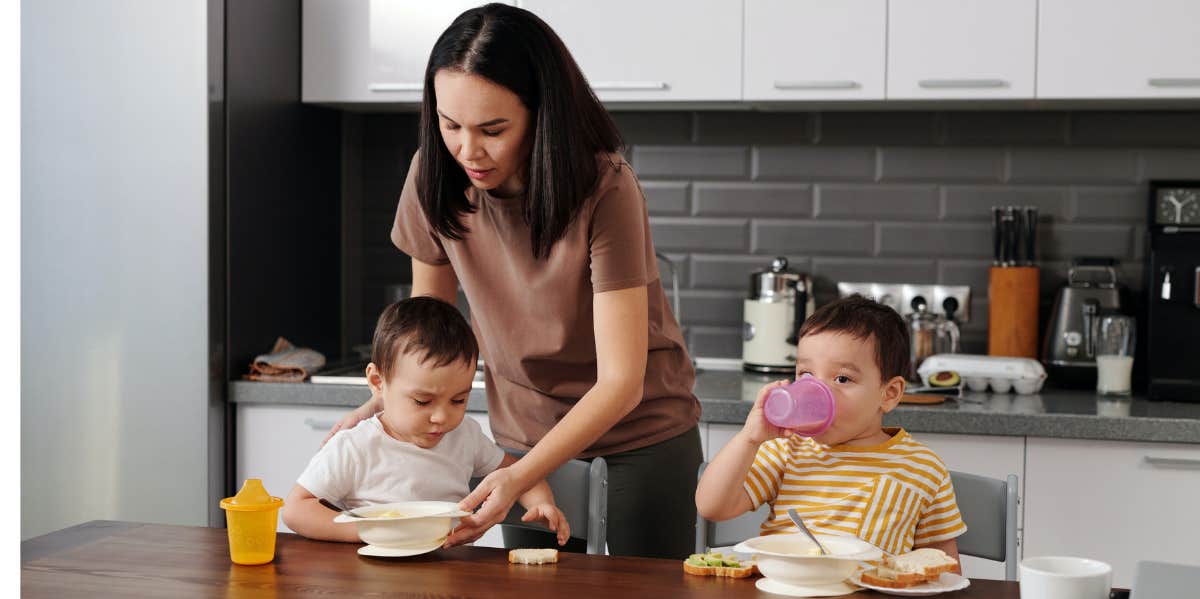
202, 177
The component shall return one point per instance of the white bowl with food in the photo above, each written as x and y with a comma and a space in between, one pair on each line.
794, 559
405, 524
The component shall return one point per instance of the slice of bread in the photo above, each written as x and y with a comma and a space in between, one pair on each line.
533, 556
715, 564
910, 569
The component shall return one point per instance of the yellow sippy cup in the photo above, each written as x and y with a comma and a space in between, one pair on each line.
250, 517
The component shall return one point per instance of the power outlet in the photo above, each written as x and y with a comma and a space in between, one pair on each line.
900, 296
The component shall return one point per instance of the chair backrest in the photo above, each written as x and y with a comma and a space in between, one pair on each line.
989, 508
581, 492
730, 532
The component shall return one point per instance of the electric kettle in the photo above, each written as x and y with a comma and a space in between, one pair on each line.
779, 301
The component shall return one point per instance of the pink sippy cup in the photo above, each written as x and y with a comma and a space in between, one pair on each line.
805, 406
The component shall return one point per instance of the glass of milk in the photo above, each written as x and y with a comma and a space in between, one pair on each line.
1114, 354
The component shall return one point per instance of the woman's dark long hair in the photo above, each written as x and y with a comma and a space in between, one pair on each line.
515, 49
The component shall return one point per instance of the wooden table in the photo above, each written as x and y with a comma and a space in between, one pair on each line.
124, 559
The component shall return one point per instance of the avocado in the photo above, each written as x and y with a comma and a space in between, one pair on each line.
713, 560
944, 378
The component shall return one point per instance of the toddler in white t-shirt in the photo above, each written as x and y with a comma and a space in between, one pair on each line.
420, 447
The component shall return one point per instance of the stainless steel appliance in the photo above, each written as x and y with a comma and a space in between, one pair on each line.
1068, 349
1173, 307
779, 301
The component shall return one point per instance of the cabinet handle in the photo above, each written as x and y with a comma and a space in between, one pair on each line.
961, 83
1174, 81
629, 85
1173, 462
319, 425
847, 84
396, 87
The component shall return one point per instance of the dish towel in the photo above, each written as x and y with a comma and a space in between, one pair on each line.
286, 363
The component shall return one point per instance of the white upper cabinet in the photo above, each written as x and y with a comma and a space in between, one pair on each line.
371, 50
1119, 49
663, 50
334, 50
814, 50
961, 49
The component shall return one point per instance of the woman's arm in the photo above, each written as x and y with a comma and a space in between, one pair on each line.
621, 330
428, 279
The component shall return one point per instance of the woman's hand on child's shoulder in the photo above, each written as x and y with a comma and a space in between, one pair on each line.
355, 416
758, 429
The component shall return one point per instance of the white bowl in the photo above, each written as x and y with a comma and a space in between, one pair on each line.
419, 524
790, 558
1059, 577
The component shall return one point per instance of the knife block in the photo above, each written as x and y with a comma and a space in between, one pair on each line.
1013, 311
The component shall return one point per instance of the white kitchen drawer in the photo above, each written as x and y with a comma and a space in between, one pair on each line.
1117, 502
275, 443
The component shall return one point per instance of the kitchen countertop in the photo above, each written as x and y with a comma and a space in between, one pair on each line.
726, 398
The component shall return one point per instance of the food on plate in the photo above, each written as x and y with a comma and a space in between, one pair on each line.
388, 514
716, 564
910, 569
533, 556
944, 378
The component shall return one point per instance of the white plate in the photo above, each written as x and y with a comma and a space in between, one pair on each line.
945, 582
377, 551
791, 590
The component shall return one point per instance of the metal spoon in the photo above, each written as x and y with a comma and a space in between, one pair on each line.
800, 524
334, 507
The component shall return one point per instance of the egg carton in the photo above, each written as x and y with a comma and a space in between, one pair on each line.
1023, 375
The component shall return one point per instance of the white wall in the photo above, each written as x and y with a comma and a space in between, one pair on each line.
114, 221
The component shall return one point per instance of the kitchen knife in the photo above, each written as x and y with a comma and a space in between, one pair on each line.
1031, 216
995, 236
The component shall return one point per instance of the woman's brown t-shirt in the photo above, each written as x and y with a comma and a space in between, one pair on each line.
533, 317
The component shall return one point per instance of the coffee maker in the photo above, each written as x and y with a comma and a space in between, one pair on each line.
1068, 349
1173, 285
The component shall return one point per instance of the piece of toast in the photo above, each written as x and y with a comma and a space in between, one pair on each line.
910, 569
715, 564
533, 556
728, 571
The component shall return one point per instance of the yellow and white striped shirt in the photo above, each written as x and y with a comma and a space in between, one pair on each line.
895, 496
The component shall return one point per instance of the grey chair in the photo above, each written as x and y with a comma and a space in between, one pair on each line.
581, 492
989, 508
711, 534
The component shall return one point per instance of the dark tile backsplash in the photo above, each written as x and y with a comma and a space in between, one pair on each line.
882, 196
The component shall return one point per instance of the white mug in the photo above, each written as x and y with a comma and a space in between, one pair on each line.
1058, 577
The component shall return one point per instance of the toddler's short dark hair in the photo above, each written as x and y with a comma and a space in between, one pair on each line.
429, 326
864, 318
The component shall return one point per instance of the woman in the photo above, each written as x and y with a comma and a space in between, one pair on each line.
518, 195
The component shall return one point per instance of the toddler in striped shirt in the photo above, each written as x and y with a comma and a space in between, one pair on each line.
856, 478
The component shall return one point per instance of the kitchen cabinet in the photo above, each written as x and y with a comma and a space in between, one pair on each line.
961, 49
814, 50
371, 50
668, 50
275, 443
1117, 502
1118, 49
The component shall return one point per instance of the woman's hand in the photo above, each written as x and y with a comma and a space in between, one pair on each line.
367, 410
552, 517
494, 496
757, 428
